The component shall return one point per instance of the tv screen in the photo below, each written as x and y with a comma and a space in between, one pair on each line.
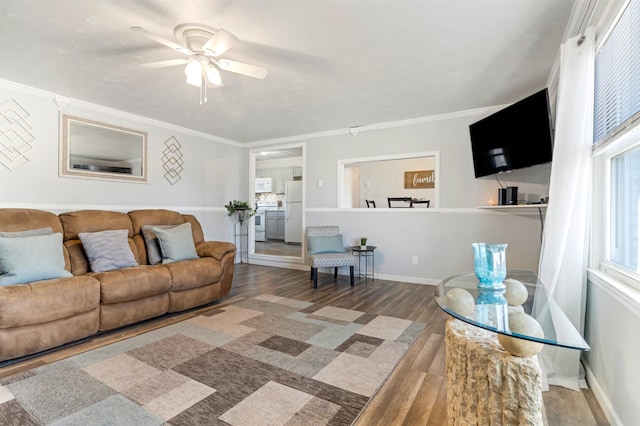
515, 137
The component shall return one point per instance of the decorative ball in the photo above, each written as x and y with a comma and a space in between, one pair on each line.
460, 300
516, 293
522, 323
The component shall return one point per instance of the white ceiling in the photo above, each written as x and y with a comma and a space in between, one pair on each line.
333, 64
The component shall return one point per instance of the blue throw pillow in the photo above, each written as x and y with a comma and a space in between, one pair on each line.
108, 250
176, 243
326, 244
32, 258
29, 233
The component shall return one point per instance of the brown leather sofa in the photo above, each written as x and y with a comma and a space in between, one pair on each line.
44, 314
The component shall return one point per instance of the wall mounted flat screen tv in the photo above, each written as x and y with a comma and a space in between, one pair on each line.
515, 137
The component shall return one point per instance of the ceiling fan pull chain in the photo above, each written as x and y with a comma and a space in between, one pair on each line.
201, 90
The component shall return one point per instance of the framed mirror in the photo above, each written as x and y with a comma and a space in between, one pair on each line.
94, 150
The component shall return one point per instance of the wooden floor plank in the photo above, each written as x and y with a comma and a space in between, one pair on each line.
414, 394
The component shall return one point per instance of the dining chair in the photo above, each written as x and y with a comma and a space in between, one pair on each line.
407, 202
370, 203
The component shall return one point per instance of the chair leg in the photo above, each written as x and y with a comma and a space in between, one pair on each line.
314, 272
351, 274
311, 276
335, 273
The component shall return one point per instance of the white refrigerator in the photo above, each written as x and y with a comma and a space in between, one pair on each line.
293, 212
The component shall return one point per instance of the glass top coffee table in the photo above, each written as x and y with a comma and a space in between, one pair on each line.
558, 329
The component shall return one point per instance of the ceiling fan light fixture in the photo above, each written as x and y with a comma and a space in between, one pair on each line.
213, 75
193, 71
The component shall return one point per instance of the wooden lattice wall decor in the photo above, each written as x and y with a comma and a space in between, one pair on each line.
16, 137
172, 161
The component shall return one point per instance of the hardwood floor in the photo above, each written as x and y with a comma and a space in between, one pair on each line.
415, 393
278, 248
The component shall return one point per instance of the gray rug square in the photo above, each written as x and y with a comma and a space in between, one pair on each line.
57, 391
118, 409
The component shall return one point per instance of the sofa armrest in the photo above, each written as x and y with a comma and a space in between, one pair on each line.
215, 249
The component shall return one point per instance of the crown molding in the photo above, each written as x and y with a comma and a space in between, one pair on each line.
379, 126
63, 102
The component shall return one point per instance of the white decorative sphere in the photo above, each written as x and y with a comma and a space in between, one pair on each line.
522, 323
460, 300
516, 293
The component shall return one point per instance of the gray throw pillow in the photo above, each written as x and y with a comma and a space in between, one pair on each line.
154, 253
32, 258
176, 243
107, 250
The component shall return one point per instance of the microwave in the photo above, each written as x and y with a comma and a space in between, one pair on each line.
263, 184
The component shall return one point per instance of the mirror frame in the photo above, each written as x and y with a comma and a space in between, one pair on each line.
344, 162
66, 143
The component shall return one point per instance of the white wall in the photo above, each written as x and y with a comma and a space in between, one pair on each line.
211, 175
612, 329
442, 237
382, 179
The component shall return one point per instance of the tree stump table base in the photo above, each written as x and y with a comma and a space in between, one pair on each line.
486, 385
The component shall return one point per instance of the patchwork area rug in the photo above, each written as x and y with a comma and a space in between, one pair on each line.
266, 360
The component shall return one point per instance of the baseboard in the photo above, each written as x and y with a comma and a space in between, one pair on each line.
278, 262
601, 396
405, 279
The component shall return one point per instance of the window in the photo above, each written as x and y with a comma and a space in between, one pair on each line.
617, 76
625, 211
617, 149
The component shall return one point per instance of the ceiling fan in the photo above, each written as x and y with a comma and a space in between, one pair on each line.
204, 46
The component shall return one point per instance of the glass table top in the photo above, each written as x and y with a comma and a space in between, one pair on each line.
558, 329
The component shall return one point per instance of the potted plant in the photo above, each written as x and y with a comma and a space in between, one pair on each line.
240, 209
363, 243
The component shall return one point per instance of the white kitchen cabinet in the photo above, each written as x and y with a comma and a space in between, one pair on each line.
263, 173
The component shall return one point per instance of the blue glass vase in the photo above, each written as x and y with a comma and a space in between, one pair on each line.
490, 267
489, 263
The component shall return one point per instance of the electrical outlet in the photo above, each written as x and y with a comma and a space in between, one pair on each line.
414, 260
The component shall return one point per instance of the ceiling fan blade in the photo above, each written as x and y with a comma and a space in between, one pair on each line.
161, 40
162, 64
221, 41
241, 68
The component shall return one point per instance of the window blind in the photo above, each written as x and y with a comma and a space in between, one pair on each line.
617, 76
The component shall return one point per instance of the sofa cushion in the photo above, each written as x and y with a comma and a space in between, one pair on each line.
319, 244
176, 243
45, 301
26, 219
107, 250
194, 273
125, 285
33, 258
93, 221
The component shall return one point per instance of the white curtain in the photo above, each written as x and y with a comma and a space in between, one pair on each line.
564, 253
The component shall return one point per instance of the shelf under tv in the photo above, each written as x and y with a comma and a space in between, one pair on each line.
516, 206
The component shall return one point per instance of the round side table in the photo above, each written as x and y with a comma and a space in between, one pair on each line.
366, 253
